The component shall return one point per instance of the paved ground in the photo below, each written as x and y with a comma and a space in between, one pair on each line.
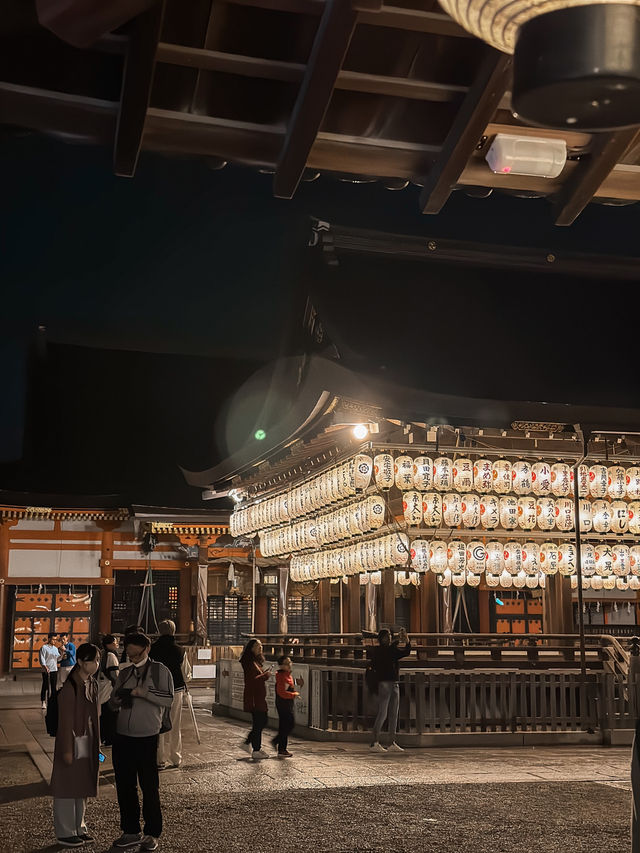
337, 798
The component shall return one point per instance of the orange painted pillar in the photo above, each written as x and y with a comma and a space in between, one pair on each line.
4, 574
105, 606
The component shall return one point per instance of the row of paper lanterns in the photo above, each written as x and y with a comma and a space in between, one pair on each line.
380, 553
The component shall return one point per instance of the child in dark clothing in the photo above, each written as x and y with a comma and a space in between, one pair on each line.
285, 694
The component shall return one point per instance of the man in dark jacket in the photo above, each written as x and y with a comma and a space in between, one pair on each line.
167, 651
385, 659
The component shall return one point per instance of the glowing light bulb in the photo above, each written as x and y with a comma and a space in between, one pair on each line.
360, 431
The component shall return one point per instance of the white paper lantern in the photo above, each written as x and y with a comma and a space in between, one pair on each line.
564, 514
634, 582
470, 510
520, 580
586, 518
509, 512
601, 511
432, 509
457, 557
634, 559
476, 557
443, 474
458, 579
527, 513
561, 480
583, 481
375, 578
512, 554
521, 477
597, 582
364, 578
415, 578
617, 482
532, 581
619, 516
402, 578
621, 560
412, 508
546, 513
489, 511
383, 471
399, 549
574, 582
502, 476
483, 476
474, 580
506, 581
403, 471
438, 558
495, 558
633, 511
420, 555
598, 481
586, 583
492, 580
462, 474
622, 583
445, 578
541, 478
633, 482
549, 558
423, 473
452, 509
604, 559
609, 582
567, 559
588, 559
531, 558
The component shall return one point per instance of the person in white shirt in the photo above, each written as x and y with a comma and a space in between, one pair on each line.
49, 656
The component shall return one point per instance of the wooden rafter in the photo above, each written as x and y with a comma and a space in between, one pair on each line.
591, 172
327, 54
136, 89
468, 126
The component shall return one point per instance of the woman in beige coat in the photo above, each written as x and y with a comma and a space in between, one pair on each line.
75, 763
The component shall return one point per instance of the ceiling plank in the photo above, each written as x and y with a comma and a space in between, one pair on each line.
414, 20
399, 87
327, 54
137, 81
591, 172
467, 129
300, 7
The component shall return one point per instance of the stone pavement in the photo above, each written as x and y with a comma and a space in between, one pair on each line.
338, 798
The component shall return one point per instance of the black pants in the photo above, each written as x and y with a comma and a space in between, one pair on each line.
285, 723
108, 719
135, 760
255, 735
49, 682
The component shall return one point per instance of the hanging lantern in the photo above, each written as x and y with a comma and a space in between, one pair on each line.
588, 559
512, 554
412, 508
601, 511
383, 471
423, 473
564, 514
443, 474
531, 558
634, 582
474, 580
382, 555
462, 475
609, 582
432, 509
403, 470
633, 482
622, 584
502, 476
586, 583
375, 578
604, 559
598, 481
470, 510
415, 578
617, 482
438, 557
353, 520
546, 513
420, 555
634, 559
509, 512
619, 516
399, 549
541, 478
364, 578
583, 481
445, 578
452, 509
532, 581
458, 579
561, 479
363, 471
520, 580
527, 513
542, 580
597, 582
492, 580
521, 477
567, 559
476, 557
549, 558
586, 519
483, 476
506, 581
495, 558
457, 557
621, 560
402, 578
574, 581
633, 511
489, 511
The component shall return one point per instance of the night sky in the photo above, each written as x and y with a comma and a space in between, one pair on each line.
159, 296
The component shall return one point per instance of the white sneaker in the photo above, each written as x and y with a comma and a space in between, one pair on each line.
258, 754
394, 748
44, 706
247, 747
377, 747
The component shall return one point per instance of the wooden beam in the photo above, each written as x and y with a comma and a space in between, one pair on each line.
399, 87
590, 173
414, 20
327, 54
300, 7
473, 116
137, 81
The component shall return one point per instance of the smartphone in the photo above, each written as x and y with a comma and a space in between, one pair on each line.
101, 757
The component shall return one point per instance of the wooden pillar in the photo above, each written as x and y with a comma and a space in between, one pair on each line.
566, 606
105, 605
483, 611
553, 619
429, 604
184, 598
261, 616
324, 606
4, 574
387, 598
352, 606
415, 611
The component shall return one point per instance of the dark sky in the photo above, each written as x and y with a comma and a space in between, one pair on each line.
160, 295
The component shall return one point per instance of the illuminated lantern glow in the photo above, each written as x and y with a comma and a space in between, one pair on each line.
495, 558
415, 578
588, 559
541, 478
574, 582
564, 514
403, 470
617, 482
601, 511
583, 481
375, 578
470, 510
377, 511
474, 580
364, 578
432, 509
476, 557
622, 583
634, 559
402, 578
509, 512
604, 559
423, 473
502, 476
438, 558
598, 481
457, 557
561, 480
483, 476
489, 511
597, 582
619, 516
363, 471
383, 471
546, 513
443, 474
452, 509
567, 559
399, 549
462, 475
531, 558
445, 578
420, 555
609, 582
506, 581
621, 560
549, 558
492, 580
520, 580
521, 476
527, 513
586, 517
586, 583
633, 511
633, 482
513, 561
458, 579
532, 581
412, 508
634, 582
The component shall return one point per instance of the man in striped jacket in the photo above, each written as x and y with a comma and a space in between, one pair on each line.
142, 697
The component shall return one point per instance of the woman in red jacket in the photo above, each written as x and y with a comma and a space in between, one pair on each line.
255, 695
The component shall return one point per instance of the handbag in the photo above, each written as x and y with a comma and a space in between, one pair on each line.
80, 746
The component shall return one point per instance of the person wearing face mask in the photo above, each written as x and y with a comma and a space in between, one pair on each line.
75, 762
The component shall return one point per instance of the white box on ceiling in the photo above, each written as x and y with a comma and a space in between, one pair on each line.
526, 155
